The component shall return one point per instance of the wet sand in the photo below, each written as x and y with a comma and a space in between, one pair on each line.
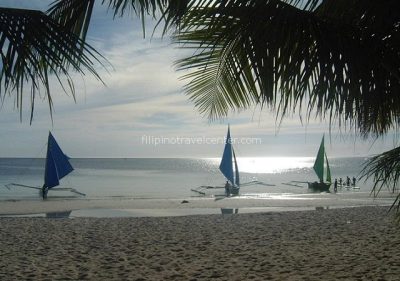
157, 206
336, 244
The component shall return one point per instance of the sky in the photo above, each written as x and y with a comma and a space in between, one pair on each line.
142, 111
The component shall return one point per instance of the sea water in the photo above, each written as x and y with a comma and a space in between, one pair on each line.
172, 178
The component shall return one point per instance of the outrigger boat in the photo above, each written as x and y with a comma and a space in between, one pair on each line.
57, 167
229, 167
319, 168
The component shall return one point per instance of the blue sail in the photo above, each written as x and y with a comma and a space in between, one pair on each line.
226, 165
57, 164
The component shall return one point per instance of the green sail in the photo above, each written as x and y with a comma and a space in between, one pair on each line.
319, 161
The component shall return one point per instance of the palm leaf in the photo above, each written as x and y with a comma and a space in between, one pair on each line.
337, 57
216, 72
33, 46
384, 170
73, 15
169, 11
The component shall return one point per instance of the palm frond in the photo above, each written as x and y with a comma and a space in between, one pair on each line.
216, 71
337, 56
33, 46
73, 15
137, 7
384, 170
169, 11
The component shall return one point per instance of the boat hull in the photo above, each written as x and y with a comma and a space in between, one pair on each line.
234, 190
319, 186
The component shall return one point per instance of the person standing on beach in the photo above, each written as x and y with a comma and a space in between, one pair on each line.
335, 186
227, 188
44, 192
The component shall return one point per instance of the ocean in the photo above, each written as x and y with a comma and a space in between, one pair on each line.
172, 178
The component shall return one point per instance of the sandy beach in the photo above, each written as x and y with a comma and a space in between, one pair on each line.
331, 244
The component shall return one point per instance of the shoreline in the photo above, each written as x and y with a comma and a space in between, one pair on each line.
350, 244
135, 207
150, 207
137, 213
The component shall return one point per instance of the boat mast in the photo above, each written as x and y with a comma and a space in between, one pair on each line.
237, 180
328, 170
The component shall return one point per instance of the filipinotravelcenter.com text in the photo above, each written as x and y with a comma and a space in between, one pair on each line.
161, 140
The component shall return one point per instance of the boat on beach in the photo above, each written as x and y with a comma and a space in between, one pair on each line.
321, 168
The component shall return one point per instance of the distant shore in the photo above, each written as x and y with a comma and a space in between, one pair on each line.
327, 244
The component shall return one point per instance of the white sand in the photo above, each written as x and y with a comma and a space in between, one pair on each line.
336, 244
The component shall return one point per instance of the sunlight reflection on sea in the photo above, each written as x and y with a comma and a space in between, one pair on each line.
172, 177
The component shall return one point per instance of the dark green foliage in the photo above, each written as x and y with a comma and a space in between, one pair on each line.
34, 46
384, 169
340, 59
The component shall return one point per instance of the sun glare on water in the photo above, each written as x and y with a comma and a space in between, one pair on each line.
269, 165
273, 164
